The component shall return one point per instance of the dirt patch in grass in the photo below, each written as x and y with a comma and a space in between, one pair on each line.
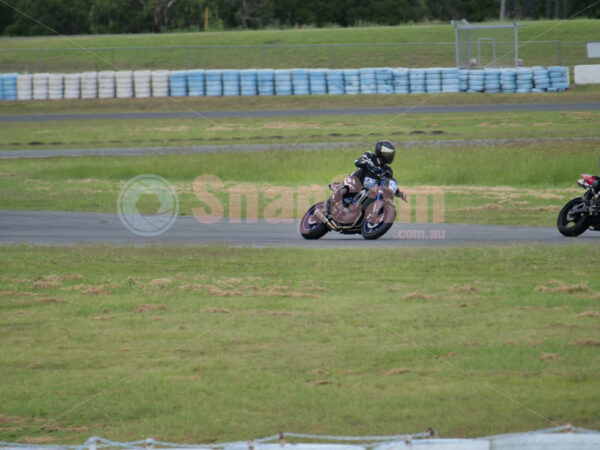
37, 440
18, 420
35, 181
565, 289
45, 284
586, 343
145, 307
91, 289
218, 292
544, 208
38, 300
549, 357
320, 382
160, 283
235, 287
217, 311
272, 312
397, 371
103, 317
192, 287
61, 278
12, 293
417, 296
467, 288
588, 314
72, 428
316, 289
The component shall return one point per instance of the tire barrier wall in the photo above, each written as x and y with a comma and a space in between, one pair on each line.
250, 82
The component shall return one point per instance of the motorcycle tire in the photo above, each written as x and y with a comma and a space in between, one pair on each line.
312, 230
375, 231
579, 225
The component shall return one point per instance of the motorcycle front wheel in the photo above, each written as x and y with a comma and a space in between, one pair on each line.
572, 224
310, 227
376, 230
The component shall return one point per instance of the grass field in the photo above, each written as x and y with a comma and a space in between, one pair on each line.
216, 344
198, 131
539, 46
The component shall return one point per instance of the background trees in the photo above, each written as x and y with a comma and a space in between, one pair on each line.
143, 16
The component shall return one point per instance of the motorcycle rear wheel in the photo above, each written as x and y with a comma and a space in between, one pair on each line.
375, 231
575, 227
309, 227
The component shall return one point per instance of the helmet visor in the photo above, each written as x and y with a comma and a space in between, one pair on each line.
387, 154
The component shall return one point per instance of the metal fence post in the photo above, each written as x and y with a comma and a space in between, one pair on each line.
187, 58
262, 57
409, 55
112, 57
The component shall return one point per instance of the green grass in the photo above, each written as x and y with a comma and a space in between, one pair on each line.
219, 344
493, 184
418, 56
577, 93
198, 131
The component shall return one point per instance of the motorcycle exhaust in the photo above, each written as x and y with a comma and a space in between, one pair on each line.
323, 218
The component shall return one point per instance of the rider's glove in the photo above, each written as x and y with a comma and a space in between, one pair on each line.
376, 169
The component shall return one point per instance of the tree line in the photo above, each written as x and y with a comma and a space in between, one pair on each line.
45, 17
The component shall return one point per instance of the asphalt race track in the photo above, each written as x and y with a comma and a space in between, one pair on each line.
590, 106
71, 228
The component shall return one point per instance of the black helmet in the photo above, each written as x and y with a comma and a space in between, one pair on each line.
385, 151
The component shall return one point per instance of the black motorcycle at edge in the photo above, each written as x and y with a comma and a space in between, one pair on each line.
583, 212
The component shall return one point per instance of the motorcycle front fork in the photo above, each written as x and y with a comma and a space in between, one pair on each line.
591, 199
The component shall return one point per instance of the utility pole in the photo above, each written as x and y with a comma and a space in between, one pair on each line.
206, 18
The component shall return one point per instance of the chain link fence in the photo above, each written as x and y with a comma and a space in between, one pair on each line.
414, 54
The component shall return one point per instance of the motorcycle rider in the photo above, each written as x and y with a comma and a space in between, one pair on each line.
374, 164
371, 165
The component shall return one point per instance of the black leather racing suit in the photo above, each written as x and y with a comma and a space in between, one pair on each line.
368, 166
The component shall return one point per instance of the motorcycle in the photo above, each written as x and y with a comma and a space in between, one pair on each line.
354, 207
582, 212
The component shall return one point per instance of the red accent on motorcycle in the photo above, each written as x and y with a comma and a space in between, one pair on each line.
589, 179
